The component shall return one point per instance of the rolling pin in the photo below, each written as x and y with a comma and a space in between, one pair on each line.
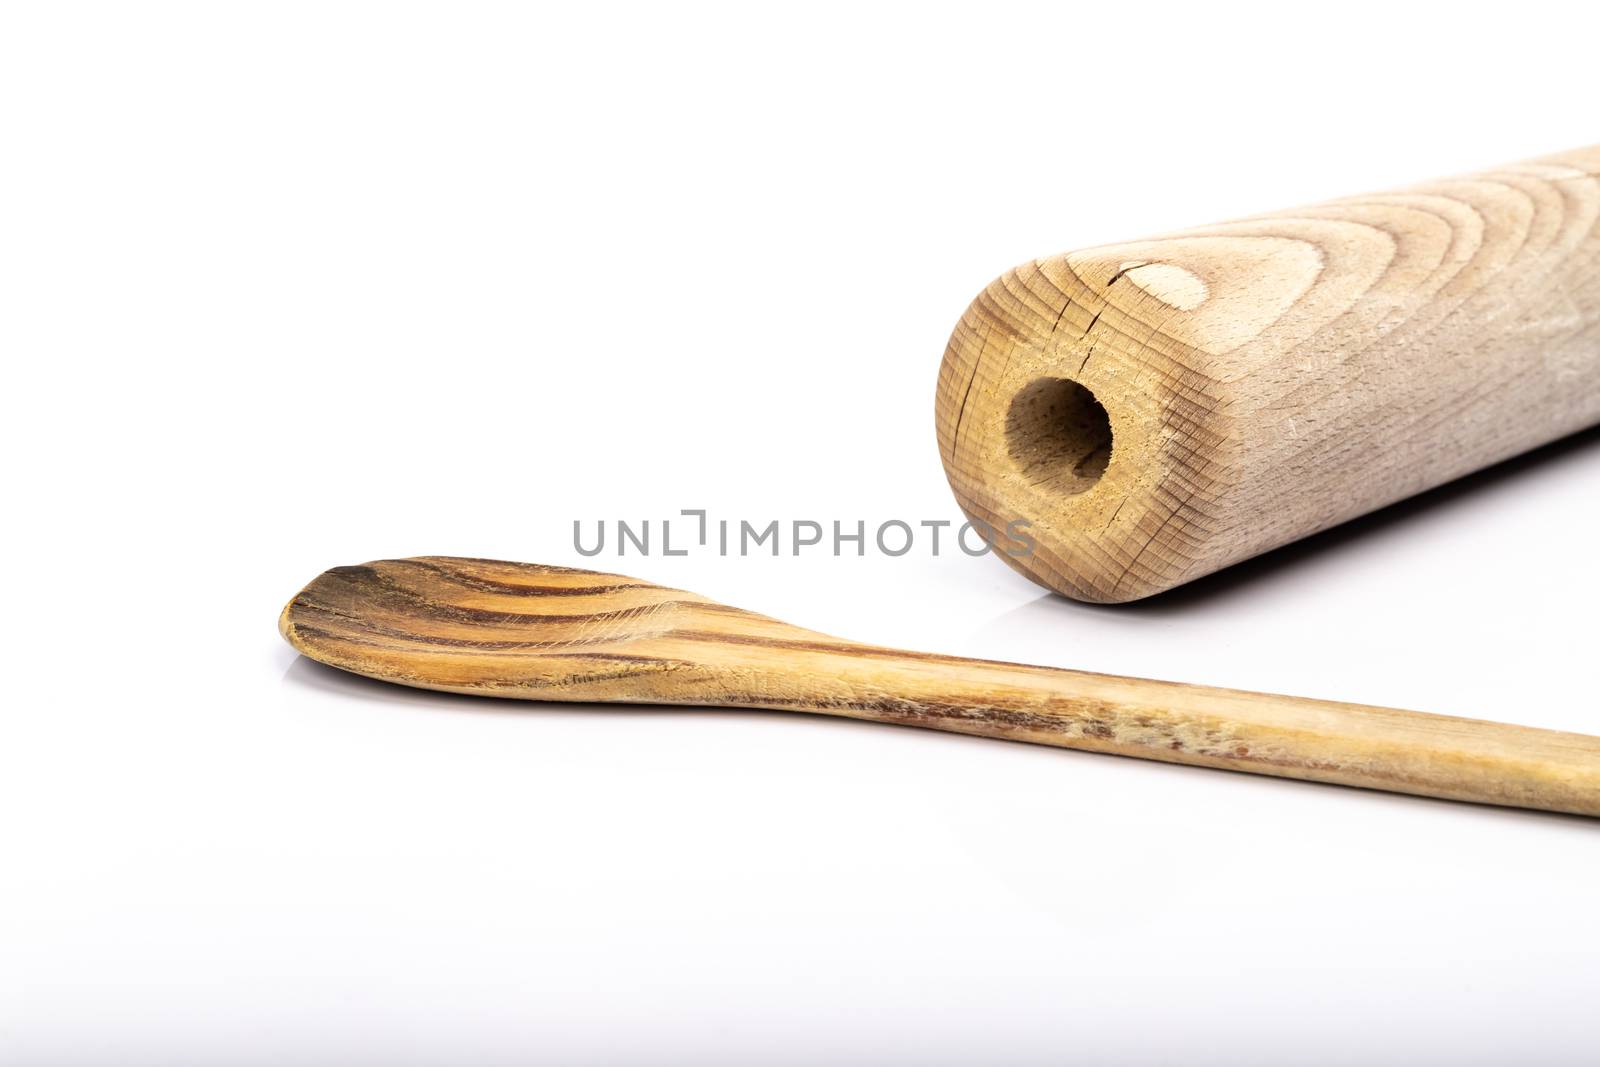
1121, 420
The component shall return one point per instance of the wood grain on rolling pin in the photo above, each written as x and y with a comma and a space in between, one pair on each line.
1160, 409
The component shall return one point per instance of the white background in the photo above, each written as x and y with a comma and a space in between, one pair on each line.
284, 287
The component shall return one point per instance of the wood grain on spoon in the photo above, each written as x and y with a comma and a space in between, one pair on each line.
555, 633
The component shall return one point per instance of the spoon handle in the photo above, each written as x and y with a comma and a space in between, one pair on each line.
1292, 737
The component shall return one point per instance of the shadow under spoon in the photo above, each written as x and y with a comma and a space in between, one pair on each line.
554, 633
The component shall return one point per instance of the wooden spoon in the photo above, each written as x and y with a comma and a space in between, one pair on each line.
555, 633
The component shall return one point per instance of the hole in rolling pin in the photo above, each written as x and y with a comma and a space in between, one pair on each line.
1059, 435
